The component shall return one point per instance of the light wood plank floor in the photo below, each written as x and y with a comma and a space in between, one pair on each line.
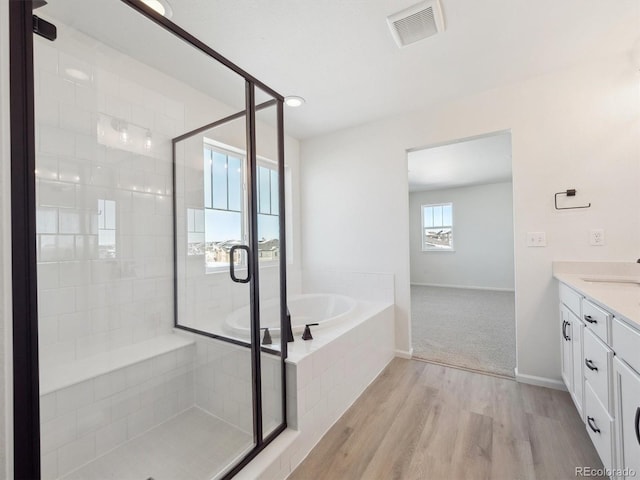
426, 421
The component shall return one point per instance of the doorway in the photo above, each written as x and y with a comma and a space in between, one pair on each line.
462, 253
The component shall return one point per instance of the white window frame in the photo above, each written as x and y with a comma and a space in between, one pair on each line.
229, 150
261, 162
426, 248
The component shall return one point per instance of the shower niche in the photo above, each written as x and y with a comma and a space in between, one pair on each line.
159, 207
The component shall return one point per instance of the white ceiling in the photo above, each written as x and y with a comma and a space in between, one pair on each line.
469, 162
340, 56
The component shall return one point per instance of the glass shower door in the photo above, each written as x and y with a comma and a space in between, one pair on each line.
271, 258
213, 275
213, 269
153, 257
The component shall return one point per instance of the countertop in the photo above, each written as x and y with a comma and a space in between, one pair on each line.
609, 291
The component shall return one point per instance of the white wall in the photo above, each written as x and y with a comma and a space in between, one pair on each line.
482, 238
5, 253
576, 128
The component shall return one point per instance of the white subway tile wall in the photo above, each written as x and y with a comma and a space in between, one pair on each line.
86, 420
223, 384
99, 293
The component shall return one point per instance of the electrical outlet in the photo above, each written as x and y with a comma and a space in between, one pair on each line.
536, 239
596, 237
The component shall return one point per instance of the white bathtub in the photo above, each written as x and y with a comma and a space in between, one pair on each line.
322, 308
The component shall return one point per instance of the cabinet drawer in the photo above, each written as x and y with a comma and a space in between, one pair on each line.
626, 343
599, 426
571, 299
597, 366
596, 319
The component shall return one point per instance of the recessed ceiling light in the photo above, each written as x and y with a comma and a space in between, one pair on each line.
294, 101
160, 6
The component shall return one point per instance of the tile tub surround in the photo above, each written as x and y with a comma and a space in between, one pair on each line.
324, 377
208, 298
619, 299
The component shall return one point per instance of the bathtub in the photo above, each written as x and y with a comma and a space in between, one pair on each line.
322, 308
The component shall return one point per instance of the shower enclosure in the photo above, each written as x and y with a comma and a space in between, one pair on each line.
154, 208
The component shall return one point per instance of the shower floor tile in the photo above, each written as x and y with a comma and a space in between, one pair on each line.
191, 446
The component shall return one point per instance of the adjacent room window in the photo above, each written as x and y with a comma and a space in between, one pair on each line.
437, 227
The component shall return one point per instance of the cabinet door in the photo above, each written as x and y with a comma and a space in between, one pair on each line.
577, 330
567, 350
627, 400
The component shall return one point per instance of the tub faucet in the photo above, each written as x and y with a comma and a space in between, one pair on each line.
307, 331
288, 332
266, 340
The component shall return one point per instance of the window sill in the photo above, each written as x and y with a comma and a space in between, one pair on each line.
241, 270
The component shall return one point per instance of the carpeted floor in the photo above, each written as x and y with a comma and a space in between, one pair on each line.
467, 328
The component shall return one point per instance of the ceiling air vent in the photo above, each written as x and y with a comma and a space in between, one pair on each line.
416, 23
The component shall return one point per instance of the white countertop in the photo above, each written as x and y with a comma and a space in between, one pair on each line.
608, 290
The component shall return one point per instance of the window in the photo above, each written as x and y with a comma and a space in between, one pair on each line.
224, 222
225, 218
106, 228
437, 227
268, 211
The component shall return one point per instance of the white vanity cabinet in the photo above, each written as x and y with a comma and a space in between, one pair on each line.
601, 369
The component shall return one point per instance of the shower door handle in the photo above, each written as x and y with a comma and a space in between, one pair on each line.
232, 264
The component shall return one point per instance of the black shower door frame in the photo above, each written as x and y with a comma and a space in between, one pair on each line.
26, 400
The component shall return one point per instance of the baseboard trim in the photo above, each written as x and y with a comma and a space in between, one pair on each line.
469, 287
540, 381
404, 353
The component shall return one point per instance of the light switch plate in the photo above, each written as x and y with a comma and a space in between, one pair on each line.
536, 239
